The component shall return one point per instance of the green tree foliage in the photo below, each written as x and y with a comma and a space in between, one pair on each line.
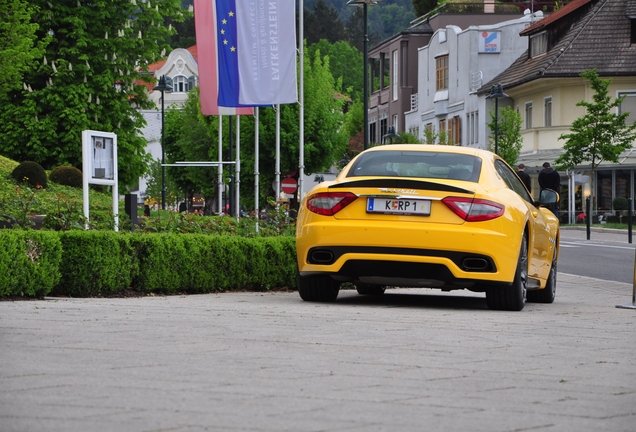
601, 134
323, 23
18, 47
422, 7
509, 140
345, 63
88, 78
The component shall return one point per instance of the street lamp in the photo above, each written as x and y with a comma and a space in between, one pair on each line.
495, 93
365, 4
390, 135
163, 87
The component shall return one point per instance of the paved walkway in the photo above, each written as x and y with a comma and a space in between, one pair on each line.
412, 360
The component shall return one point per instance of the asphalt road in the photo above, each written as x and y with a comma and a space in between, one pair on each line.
606, 255
412, 360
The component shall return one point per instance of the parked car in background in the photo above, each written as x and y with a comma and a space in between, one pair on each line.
428, 216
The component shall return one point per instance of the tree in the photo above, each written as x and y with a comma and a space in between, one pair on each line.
509, 139
90, 77
18, 47
422, 7
345, 63
323, 23
601, 134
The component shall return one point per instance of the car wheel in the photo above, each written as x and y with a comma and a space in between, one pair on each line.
547, 294
366, 289
513, 297
319, 288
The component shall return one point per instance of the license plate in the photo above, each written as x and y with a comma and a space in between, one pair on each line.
399, 206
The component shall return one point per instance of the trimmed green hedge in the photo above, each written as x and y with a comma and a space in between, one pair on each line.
29, 262
96, 263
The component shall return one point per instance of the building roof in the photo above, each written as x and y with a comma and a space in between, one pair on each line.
154, 67
592, 34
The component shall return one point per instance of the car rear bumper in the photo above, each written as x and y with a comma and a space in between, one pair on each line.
407, 250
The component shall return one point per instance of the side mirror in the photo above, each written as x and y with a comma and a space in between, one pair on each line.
548, 196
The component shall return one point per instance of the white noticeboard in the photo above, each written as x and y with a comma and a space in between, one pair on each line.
99, 163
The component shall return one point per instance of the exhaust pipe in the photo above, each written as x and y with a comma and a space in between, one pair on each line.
475, 264
321, 257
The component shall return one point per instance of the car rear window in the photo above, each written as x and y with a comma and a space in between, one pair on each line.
419, 164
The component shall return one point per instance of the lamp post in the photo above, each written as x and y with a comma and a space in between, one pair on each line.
496, 92
365, 4
163, 87
390, 135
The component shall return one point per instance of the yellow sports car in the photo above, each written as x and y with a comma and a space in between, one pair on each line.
428, 216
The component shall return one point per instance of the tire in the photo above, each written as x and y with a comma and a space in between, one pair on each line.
548, 293
513, 297
365, 289
318, 288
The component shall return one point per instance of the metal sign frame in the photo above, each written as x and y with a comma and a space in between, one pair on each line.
99, 166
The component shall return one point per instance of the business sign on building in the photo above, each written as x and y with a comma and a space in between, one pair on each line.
490, 42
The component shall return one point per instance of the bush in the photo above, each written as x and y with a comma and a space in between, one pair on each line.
67, 176
95, 263
620, 203
30, 172
29, 262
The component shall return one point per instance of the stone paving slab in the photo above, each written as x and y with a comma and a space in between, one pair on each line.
410, 360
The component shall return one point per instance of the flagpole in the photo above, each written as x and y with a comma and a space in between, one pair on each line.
301, 152
237, 203
277, 168
220, 168
256, 167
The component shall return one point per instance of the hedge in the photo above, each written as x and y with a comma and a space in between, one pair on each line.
29, 262
102, 263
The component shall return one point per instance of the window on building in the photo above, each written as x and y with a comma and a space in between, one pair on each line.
472, 128
372, 132
441, 73
395, 122
538, 44
383, 127
180, 84
628, 106
528, 115
386, 71
633, 32
443, 133
454, 131
547, 112
395, 75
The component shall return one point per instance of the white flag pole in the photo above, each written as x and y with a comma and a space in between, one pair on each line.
256, 167
220, 169
277, 168
237, 203
301, 152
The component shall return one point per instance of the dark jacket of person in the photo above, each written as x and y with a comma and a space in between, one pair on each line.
525, 178
549, 179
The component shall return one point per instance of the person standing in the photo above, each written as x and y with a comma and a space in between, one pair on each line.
550, 179
525, 178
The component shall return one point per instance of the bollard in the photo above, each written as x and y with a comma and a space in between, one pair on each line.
633, 305
629, 220
588, 219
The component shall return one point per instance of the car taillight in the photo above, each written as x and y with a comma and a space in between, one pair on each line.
474, 210
329, 203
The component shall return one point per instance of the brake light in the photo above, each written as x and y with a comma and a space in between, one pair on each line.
474, 210
329, 203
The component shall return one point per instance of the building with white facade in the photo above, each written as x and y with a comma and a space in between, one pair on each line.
452, 67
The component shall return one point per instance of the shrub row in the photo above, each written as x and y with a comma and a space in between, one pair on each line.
98, 263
